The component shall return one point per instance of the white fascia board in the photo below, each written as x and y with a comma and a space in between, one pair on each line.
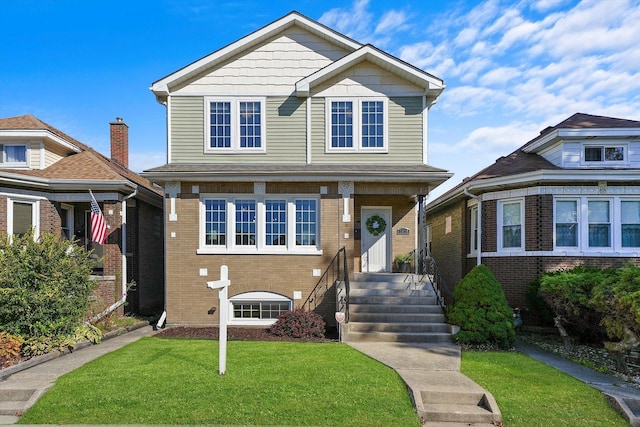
431, 84
564, 134
162, 87
40, 134
64, 184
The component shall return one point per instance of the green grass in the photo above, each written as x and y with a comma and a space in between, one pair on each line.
176, 381
530, 393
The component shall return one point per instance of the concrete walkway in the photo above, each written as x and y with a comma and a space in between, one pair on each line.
22, 385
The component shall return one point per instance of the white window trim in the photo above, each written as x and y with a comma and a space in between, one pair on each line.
578, 231
357, 125
15, 165
68, 210
473, 243
235, 126
604, 145
35, 214
499, 215
615, 219
259, 296
261, 247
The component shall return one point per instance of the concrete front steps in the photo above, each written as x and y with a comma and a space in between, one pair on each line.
388, 307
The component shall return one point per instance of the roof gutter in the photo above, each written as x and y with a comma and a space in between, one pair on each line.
479, 243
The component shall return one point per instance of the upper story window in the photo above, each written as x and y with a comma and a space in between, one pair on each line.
357, 124
13, 155
597, 154
597, 223
510, 225
235, 125
259, 224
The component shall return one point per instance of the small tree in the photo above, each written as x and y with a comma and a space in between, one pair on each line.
481, 310
45, 285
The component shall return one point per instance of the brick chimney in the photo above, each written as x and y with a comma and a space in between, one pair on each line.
120, 142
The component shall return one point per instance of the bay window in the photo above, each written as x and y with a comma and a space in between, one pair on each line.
259, 224
630, 223
599, 219
566, 227
357, 124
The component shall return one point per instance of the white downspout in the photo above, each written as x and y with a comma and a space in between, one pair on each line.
479, 248
123, 227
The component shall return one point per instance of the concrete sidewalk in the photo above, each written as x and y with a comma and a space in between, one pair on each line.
623, 396
441, 394
22, 386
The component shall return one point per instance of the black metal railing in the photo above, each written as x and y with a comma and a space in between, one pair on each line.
429, 271
337, 273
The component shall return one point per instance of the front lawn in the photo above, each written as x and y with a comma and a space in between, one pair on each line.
176, 381
530, 393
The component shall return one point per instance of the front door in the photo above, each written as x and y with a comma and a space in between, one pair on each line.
376, 239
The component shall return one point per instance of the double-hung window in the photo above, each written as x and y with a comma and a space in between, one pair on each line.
474, 229
259, 224
510, 225
599, 223
235, 125
566, 221
630, 223
357, 124
13, 155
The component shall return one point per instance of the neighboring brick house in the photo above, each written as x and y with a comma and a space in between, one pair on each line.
45, 178
284, 147
569, 196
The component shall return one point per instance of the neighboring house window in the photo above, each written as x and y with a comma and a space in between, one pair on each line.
259, 224
604, 153
235, 125
566, 223
474, 229
22, 216
13, 155
597, 223
510, 220
630, 223
357, 125
257, 308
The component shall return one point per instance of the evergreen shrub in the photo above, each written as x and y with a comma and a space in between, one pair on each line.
481, 310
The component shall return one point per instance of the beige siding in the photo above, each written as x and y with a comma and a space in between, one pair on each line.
271, 68
405, 135
285, 133
366, 79
53, 153
34, 155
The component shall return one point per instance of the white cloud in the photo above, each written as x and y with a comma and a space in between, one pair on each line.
499, 76
391, 21
143, 160
500, 139
354, 22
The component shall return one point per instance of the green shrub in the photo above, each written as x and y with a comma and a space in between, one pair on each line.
299, 324
619, 302
481, 310
569, 293
45, 285
537, 305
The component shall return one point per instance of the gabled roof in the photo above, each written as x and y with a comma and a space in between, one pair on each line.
524, 165
433, 85
162, 87
86, 165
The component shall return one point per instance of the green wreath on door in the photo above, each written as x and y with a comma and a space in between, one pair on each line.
376, 225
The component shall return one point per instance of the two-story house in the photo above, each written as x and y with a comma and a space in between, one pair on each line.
45, 181
284, 147
569, 196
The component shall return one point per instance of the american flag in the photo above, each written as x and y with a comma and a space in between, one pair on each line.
98, 223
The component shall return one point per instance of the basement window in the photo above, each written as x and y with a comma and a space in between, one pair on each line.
257, 308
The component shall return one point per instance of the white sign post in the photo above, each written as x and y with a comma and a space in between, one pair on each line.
340, 318
223, 286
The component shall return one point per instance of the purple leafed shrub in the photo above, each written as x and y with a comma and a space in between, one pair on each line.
299, 324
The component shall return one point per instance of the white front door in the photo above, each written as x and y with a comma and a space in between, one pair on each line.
376, 239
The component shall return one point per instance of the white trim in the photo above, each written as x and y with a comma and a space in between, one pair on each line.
309, 139
559, 254
388, 233
357, 125
604, 145
235, 148
35, 212
557, 134
33, 134
15, 165
500, 225
69, 210
42, 156
169, 128
255, 297
425, 127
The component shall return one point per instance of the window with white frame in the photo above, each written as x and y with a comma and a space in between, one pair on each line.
235, 125
13, 155
474, 229
257, 308
597, 223
22, 216
615, 154
66, 221
357, 124
259, 224
510, 225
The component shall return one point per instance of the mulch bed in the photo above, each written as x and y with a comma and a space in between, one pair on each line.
237, 334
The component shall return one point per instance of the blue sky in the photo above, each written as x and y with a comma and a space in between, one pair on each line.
511, 67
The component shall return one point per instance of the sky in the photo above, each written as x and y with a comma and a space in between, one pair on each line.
512, 67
